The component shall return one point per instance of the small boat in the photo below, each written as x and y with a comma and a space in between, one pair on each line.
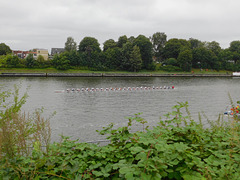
59, 91
236, 74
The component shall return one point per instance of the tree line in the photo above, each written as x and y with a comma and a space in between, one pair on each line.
135, 54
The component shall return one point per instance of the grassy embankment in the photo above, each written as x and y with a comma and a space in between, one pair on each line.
53, 70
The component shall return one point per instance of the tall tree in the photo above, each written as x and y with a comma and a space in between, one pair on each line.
158, 40
195, 43
4, 49
40, 61
145, 47
90, 50
126, 51
135, 60
174, 46
235, 46
89, 44
109, 44
185, 60
70, 44
12, 61
235, 49
214, 47
73, 57
184, 44
61, 62
30, 61
112, 58
121, 41
204, 58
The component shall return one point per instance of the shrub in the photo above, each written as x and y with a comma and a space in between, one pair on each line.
20, 130
170, 68
172, 61
178, 148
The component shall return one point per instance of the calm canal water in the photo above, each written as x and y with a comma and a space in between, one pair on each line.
80, 114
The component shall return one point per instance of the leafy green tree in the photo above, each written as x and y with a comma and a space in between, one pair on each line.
158, 40
3, 60
61, 62
235, 46
204, 58
40, 61
74, 58
91, 59
195, 43
184, 44
4, 49
121, 41
131, 39
200, 57
12, 61
89, 44
70, 44
172, 62
235, 49
185, 60
127, 50
109, 44
135, 60
145, 47
214, 47
89, 50
30, 61
225, 57
236, 56
174, 46
113, 58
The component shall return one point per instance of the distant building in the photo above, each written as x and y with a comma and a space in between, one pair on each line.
23, 54
35, 52
42, 52
57, 51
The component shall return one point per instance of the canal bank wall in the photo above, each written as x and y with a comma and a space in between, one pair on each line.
108, 75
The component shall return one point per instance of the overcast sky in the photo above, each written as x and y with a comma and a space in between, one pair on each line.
28, 24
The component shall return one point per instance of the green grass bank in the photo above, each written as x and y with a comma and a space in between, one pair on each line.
76, 72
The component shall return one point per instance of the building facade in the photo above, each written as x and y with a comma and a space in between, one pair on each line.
42, 52
24, 54
57, 51
35, 52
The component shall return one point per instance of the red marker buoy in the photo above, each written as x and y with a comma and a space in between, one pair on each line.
172, 87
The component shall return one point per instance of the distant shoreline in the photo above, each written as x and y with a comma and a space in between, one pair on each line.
109, 75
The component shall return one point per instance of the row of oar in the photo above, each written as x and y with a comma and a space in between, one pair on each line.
114, 89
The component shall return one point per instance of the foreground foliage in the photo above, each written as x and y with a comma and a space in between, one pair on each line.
20, 130
178, 148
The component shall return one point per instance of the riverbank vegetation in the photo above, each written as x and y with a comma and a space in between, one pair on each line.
79, 70
177, 148
134, 54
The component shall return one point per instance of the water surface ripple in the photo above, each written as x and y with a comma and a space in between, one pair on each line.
80, 114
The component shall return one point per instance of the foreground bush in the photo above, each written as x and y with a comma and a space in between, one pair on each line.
20, 130
178, 148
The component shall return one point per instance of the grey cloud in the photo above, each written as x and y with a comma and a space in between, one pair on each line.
29, 23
